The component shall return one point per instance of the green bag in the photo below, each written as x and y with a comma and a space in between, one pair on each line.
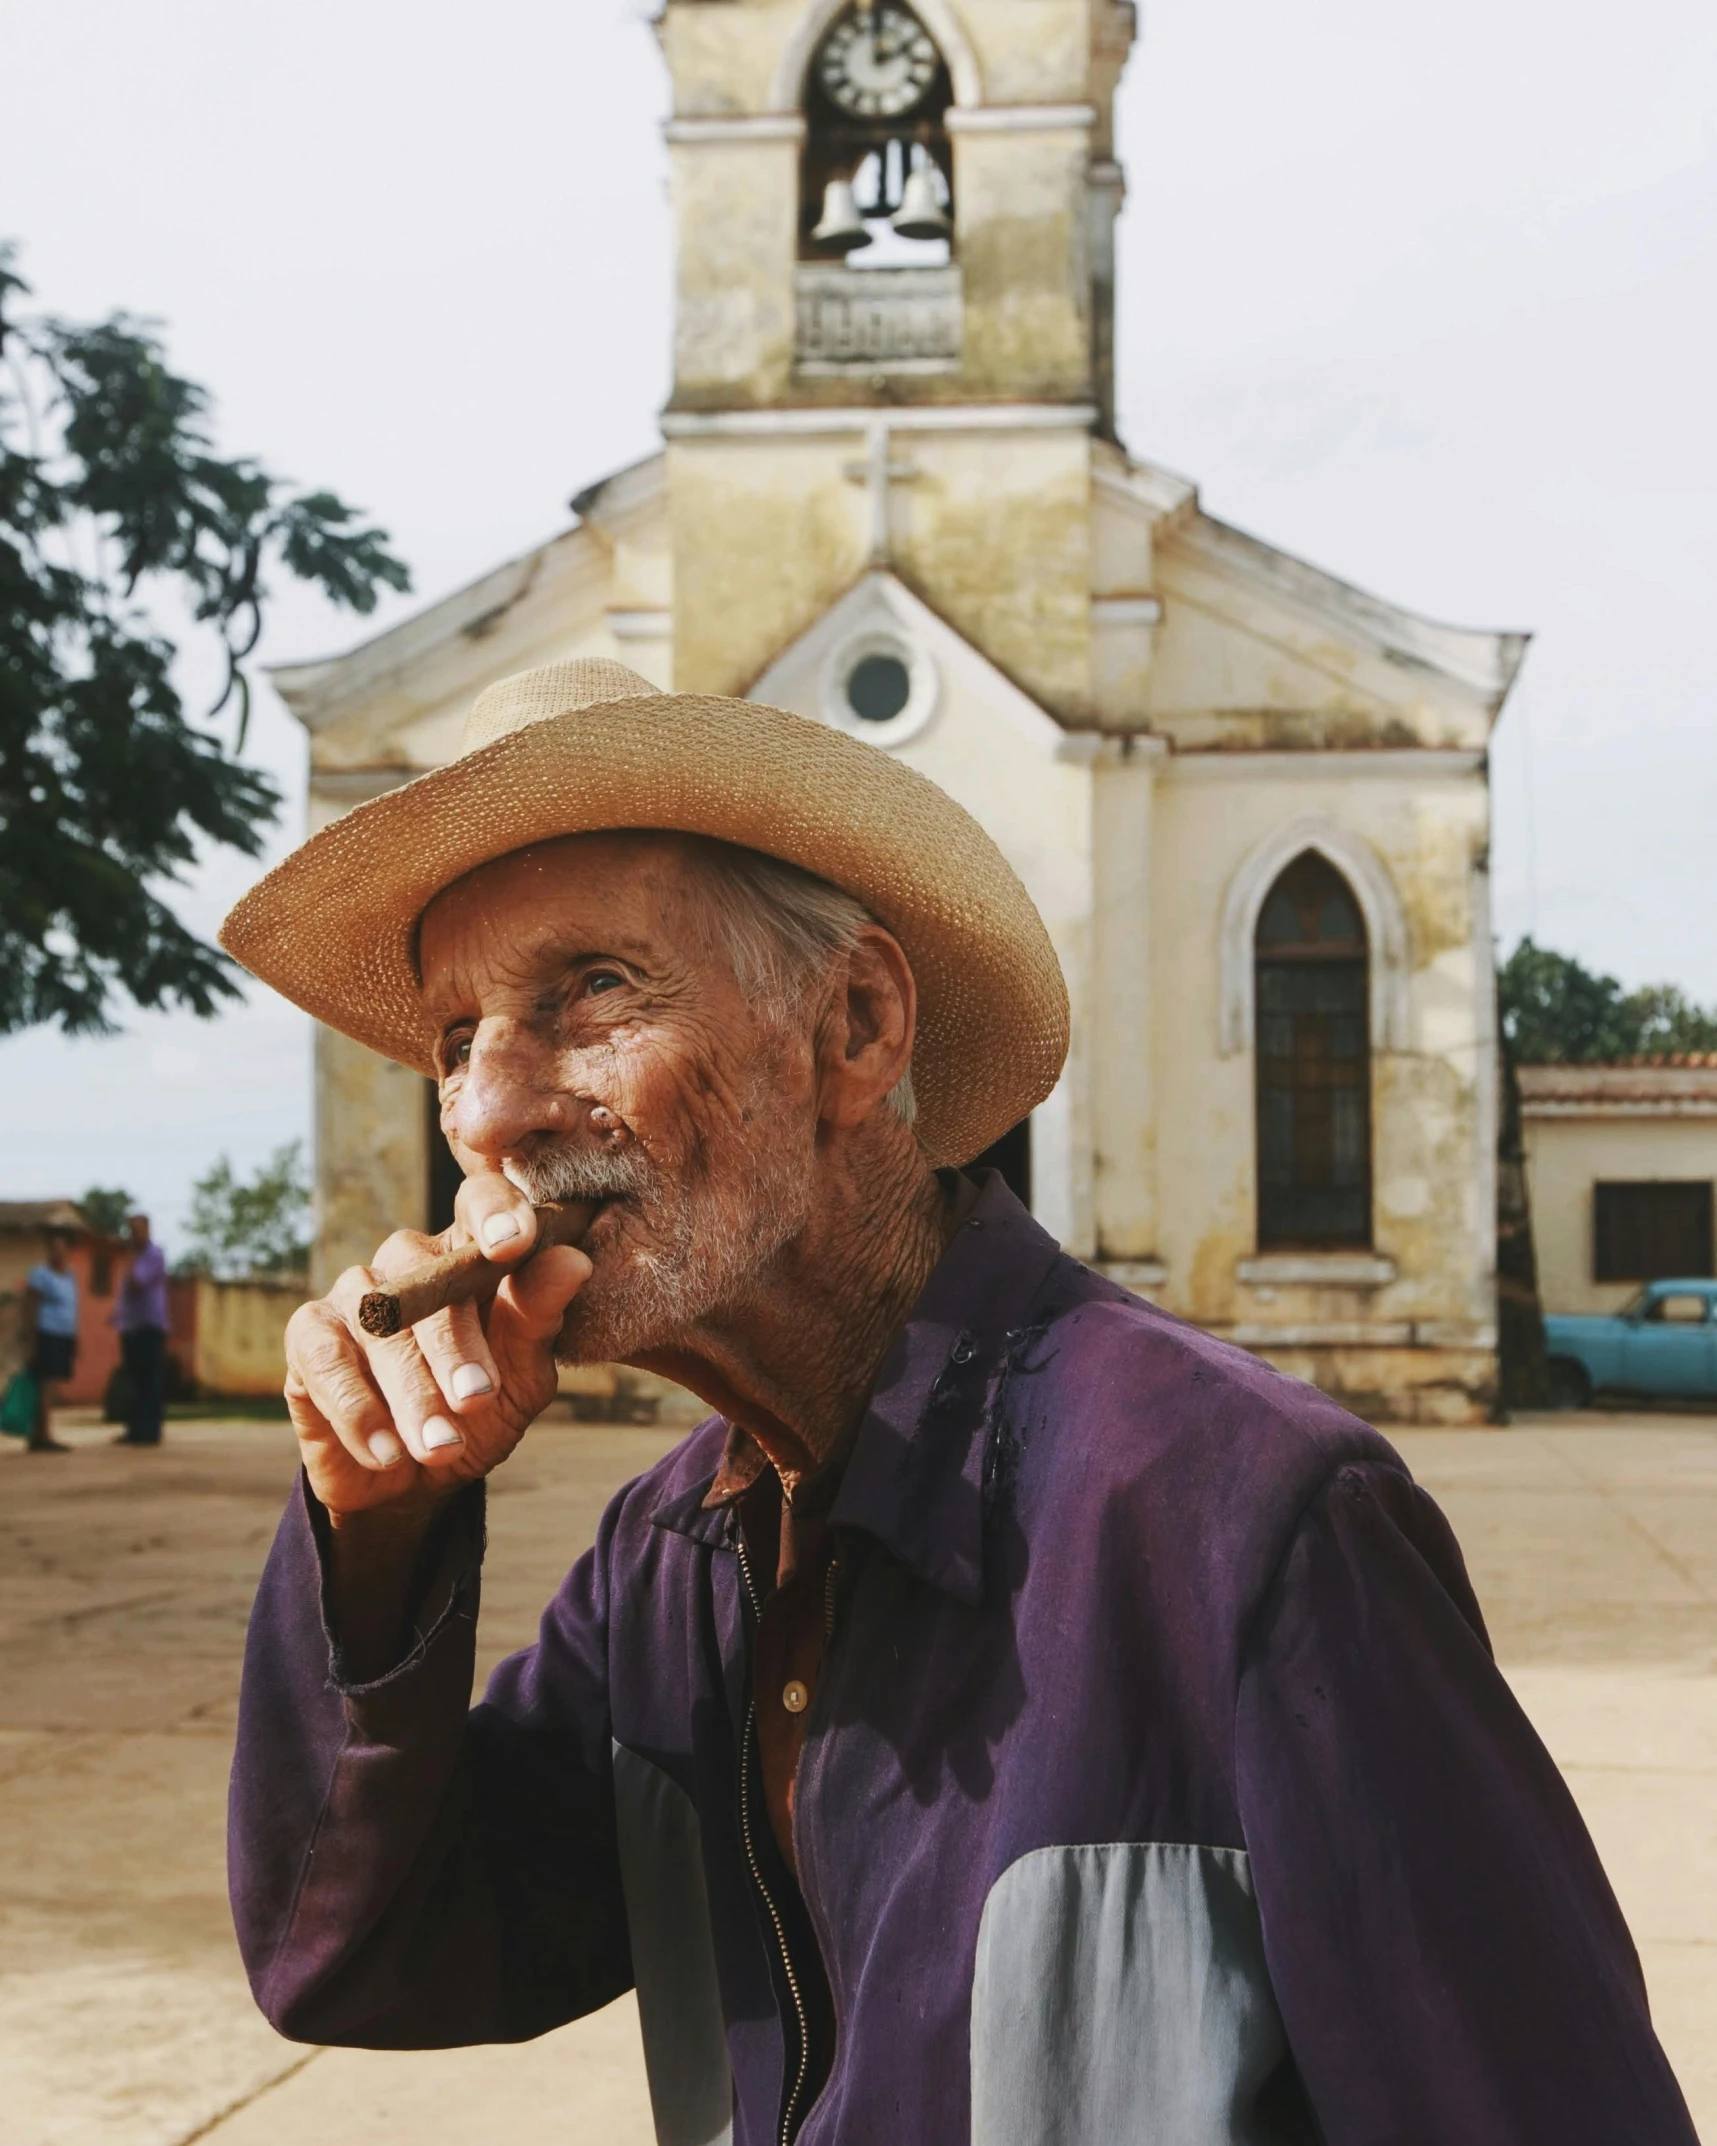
18, 1406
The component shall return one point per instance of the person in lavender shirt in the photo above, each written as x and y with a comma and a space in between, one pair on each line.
141, 1317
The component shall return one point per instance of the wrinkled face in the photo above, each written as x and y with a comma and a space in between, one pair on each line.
594, 1041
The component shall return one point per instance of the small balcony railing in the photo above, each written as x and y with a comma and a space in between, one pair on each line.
865, 320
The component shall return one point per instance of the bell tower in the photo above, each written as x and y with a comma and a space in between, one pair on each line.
893, 319
910, 199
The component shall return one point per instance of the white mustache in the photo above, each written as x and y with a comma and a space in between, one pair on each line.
578, 1173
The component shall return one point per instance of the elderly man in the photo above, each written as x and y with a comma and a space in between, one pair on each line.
1012, 1716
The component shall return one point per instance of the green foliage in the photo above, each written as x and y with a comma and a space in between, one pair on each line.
1554, 1012
236, 1229
109, 494
105, 1207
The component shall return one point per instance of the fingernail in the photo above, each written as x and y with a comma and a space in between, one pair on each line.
499, 1228
386, 1447
439, 1432
469, 1379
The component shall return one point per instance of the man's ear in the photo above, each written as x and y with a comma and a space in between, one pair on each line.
866, 1043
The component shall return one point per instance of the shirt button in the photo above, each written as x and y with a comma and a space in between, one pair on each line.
795, 1698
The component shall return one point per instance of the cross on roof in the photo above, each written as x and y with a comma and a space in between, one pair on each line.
877, 472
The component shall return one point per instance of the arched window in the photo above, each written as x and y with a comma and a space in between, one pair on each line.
1313, 1061
877, 173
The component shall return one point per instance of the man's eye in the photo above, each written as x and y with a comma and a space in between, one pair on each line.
603, 980
457, 1053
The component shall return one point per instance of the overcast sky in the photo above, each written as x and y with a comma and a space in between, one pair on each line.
1424, 295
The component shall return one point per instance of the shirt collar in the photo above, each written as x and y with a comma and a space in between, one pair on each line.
914, 1478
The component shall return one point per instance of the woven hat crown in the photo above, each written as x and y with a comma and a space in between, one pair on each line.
552, 689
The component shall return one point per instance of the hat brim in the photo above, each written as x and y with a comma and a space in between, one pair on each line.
333, 927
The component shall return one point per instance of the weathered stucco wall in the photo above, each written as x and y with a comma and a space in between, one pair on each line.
736, 208
995, 536
1250, 657
1566, 1157
1021, 223
372, 1155
240, 1335
1431, 1094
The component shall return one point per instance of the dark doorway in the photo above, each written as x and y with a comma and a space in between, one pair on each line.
1011, 1155
1313, 1062
1658, 1230
444, 1174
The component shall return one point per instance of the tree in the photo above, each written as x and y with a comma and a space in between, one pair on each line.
110, 498
236, 1230
1555, 1012
105, 1208
1669, 1021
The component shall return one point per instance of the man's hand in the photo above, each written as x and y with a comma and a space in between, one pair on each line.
392, 1428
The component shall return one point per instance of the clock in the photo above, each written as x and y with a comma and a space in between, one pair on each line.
877, 62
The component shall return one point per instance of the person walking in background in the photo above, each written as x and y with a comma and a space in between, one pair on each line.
51, 1291
141, 1317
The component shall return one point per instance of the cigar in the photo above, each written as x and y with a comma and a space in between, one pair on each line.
465, 1276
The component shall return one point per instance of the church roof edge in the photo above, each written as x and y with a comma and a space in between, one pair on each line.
1483, 661
316, 691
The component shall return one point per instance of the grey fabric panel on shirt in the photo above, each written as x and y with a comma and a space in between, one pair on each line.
1121, 1999
673, 1956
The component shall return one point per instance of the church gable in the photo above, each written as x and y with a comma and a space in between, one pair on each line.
1257, 651
882, 665
395, 704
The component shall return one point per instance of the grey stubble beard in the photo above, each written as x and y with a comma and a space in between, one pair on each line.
704, 1256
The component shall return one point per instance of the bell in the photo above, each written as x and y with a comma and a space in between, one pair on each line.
842, 228
921, 214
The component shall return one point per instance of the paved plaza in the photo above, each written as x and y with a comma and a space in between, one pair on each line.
125, 1579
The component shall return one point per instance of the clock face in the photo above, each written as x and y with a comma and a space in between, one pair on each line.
877, 63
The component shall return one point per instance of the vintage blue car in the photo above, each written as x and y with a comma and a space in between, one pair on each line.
1663, 1342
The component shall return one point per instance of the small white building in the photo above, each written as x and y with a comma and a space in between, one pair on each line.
1621, 1165
1250, 801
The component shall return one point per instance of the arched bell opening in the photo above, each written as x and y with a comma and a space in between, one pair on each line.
877, 170
1311, 965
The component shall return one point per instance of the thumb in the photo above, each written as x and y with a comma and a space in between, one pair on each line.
531, 1303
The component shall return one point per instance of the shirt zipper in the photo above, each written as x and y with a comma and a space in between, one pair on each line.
748, 1747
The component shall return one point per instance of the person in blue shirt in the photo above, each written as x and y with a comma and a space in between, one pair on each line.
51, 1290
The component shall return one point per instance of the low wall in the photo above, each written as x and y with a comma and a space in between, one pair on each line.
238, 1341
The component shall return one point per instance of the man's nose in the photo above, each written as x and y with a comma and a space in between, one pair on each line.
509, 1092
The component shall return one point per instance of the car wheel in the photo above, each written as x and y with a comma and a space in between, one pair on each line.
1569, 1385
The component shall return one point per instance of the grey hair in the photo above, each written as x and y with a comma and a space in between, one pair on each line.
783, 929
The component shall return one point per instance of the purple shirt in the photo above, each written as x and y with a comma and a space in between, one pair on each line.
1157, 1781
143, 1293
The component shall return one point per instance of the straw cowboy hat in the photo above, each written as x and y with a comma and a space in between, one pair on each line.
578, 747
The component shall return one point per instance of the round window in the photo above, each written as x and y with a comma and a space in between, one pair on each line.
878, 687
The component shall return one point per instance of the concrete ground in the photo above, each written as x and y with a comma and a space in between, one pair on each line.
124, 1583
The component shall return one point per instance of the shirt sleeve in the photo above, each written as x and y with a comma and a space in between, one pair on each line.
407, 1871
1449, 1959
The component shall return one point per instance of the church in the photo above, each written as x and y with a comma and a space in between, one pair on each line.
1250, 801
